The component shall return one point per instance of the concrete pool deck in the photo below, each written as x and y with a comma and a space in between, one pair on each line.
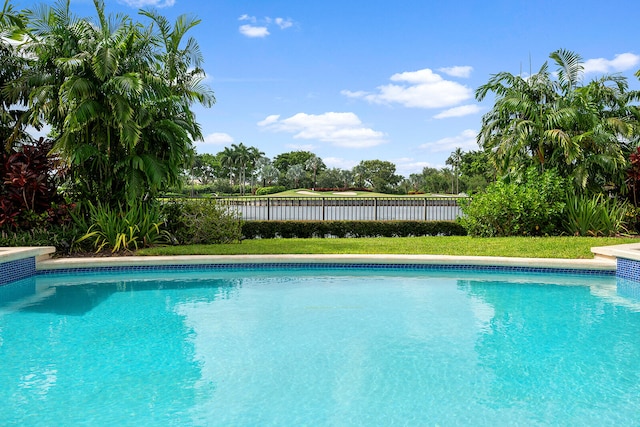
607, 259
584, 264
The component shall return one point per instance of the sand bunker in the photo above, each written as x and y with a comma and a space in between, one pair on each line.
339, 193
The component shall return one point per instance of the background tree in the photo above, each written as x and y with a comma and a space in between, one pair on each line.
285, 160
122, 126
295, 173
314, 164
581, 131
206, 168
269, 174
12, 65
334, 178
454, 161
378, 174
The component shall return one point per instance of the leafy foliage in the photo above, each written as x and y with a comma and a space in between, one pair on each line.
530, 207
123, 229
595, 216
117, 96
263, 191
201, 221
581, 131
28, 197
307, 229
380, 175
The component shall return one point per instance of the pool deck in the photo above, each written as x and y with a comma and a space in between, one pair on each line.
66, 263
605, 259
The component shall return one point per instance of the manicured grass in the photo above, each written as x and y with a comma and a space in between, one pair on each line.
530, 247
305, 192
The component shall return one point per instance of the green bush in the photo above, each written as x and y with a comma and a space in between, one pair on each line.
63, 237
201, 221
308, 229
595, 216
123, 229
263, 191
532, 207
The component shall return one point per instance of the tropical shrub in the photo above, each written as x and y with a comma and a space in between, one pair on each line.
263, 191
201, 221
595, 216
530, 207
63, 237
28, 196
123, 229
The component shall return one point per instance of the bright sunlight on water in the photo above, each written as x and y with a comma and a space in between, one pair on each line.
322, 347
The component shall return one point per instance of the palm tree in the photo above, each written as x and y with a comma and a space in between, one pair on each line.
295, 173
125, 126
12, 64
454, 161
579, 130
269, 174
228, 161
314, 163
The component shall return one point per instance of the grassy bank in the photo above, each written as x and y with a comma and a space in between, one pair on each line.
531, 247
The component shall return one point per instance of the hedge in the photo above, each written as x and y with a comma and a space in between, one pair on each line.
307, 229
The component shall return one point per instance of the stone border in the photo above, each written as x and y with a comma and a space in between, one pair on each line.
627, 259
20, 262
604, 265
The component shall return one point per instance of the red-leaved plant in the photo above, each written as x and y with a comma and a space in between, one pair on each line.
28, 197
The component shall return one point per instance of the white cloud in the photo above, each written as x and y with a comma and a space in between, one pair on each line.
283, 23
301, 147
466, 140
217, 138
417, 89
340, 129
145, 3
406, 166
463, 110
246, 17
261, 27
338, 162
621, 62
253, 31
457, 71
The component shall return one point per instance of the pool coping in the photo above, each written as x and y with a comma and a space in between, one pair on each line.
607, 260
601, 264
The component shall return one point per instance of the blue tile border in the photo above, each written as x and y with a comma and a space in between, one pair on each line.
326, 266
628, 269
18, 269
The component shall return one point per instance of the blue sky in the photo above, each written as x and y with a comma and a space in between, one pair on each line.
378, 79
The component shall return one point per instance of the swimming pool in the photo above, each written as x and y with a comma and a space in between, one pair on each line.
323, 346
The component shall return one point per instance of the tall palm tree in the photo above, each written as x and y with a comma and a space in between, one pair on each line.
124, 126
579, 130
314, 163
295, 173
269, 174
12, 65
228, 160
454, 161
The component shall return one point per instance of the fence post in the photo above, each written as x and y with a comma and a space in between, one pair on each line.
323, 216
375, 209
268, 208
425, 208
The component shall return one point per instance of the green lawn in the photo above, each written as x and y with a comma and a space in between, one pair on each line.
305, 192
532, 247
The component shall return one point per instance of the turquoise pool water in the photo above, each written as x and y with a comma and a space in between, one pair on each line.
324, 347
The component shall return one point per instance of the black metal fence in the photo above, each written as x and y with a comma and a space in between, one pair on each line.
344, 208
